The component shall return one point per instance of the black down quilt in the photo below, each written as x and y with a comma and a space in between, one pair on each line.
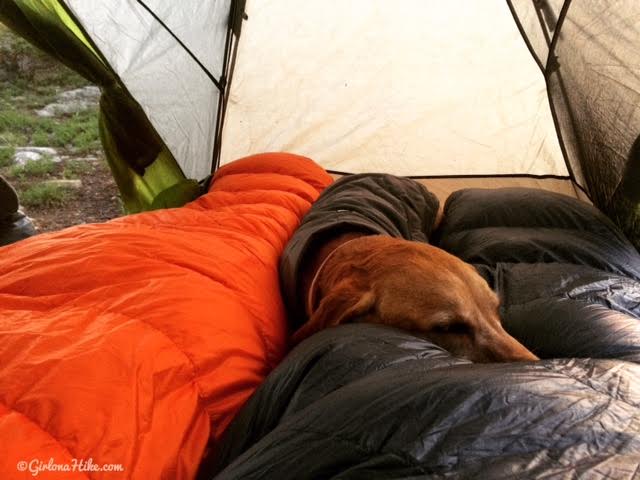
372, 402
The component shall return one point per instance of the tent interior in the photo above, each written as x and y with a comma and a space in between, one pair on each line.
420, 89
161, 339
499, 90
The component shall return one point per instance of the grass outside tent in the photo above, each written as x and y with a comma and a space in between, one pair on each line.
48, 187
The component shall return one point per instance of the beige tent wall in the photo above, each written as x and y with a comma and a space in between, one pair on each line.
443, 187
410, 87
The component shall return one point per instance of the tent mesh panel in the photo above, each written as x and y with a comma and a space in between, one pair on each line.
589, 54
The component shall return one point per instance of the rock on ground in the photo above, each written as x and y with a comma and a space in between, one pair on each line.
75, 184
72, 101
32, 154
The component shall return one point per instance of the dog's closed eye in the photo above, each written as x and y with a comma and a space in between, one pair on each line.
454, 328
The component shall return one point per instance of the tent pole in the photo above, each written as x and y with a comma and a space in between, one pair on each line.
552, 65
234, 27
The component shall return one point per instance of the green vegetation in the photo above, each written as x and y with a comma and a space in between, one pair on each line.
30, 80
6, 156
31, 76
75, 168
44, 195
78, 131
34, 168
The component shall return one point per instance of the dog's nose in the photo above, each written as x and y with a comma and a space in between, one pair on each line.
524, 356
510, 350
496, 345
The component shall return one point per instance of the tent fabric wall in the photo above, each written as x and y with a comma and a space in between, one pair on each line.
410, 88
589, 54
539, 19
177, 95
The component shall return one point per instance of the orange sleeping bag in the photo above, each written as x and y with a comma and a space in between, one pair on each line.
127, 346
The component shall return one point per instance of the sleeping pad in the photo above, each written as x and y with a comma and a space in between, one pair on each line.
135, 342
366, 401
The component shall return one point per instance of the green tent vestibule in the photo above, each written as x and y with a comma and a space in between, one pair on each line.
460, 93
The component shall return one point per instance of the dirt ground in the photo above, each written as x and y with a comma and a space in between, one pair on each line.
96, 201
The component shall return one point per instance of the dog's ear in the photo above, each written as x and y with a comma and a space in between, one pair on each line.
339, 306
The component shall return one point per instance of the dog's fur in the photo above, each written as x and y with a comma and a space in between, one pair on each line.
410, 285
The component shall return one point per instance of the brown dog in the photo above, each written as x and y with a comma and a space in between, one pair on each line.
409, 285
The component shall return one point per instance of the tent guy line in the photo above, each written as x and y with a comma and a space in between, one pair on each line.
220, 84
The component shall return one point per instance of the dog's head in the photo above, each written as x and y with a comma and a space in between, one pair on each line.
416, 287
